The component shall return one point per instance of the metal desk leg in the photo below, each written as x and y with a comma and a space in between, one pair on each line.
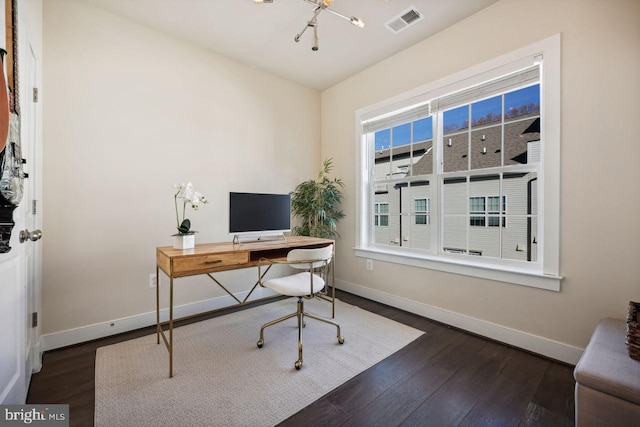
171, 327
157, 304
333, 288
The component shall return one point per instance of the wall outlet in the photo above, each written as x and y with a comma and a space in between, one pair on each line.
152, 280
370, 264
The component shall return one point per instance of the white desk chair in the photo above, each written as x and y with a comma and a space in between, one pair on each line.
304, 285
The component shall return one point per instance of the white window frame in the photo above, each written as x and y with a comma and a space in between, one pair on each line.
544, 274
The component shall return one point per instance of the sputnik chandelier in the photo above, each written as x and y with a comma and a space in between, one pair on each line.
320, 6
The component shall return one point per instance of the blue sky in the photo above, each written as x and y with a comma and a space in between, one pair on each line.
423, 128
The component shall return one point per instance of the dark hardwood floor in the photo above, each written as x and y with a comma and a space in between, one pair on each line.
444, 378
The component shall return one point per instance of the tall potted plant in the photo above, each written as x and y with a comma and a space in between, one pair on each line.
317, 204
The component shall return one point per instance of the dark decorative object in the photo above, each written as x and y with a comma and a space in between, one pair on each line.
6, 225
11, 183
11, 173
12, 57
6, 209
633, 330
4, 105
11, 161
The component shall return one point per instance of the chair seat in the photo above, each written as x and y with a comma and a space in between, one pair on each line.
296, 285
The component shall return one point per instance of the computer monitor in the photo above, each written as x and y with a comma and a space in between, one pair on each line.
259, 213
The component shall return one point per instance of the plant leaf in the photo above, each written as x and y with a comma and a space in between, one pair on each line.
184, 227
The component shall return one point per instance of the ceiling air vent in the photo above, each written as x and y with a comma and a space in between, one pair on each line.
404, 20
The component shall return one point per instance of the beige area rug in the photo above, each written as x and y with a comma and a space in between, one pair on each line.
221, 378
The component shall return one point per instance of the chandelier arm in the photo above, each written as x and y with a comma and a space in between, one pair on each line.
313, 22
355, 21
339, 14
297, 37
317, 3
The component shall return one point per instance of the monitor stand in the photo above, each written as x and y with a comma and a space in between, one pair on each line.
259, 238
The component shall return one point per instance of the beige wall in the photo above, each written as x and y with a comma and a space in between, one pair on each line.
600, 196
128, 113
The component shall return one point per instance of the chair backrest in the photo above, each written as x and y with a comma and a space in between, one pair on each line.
320, 256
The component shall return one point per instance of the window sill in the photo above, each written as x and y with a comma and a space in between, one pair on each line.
500, 274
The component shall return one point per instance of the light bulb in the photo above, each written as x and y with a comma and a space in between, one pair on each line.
357, 22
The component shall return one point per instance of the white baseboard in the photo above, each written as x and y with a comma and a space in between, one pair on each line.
126, 324
534, 343
35, 356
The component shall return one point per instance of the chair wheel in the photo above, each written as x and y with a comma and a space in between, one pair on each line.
260, 343
298, 365
340, 340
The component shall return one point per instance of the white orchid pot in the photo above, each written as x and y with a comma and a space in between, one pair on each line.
184, 241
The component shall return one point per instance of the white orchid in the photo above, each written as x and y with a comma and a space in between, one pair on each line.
188, 196
197, 199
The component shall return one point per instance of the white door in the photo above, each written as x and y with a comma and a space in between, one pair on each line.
12, 317
32, 219
20, 267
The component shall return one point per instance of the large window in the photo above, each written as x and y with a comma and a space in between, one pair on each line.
467, 172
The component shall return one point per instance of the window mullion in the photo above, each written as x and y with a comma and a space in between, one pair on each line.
468, 214
501, 217
436, 205
469, 152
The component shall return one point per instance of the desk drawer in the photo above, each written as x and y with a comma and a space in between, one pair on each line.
198, 263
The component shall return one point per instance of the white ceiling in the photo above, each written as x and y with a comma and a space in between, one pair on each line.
262, 36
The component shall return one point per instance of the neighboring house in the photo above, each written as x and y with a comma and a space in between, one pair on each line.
488, 221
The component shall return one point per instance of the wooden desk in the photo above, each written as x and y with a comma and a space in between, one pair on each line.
210, 258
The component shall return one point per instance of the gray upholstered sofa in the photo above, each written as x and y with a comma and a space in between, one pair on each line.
607, 379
